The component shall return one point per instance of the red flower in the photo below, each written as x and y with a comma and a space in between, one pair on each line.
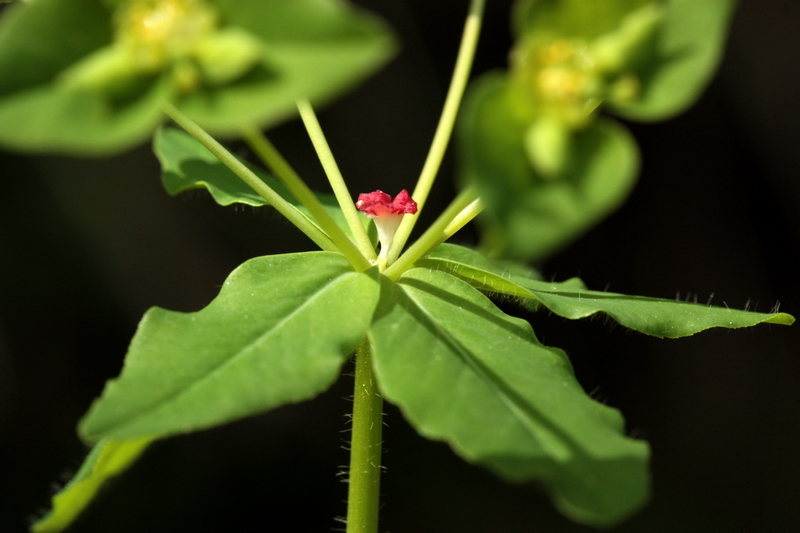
386, 213
379, 204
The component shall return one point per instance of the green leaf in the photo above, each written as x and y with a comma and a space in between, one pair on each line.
685, 56
464, 372
571, 299
187, 165
274, 335
108, 458
61, 120
530, 216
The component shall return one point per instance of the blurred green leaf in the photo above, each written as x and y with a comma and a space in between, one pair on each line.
39, 39
685, 56
274, 335
108, 458
569, 18
464, 372
529, 215
671, 68
314, 49
61, 120
570, 299
546, 165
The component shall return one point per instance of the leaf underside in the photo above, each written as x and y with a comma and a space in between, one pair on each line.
188, 165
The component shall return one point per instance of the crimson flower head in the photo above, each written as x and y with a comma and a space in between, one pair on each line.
379, 204
386, 213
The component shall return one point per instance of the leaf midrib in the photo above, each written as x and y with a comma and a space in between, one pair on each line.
511, 405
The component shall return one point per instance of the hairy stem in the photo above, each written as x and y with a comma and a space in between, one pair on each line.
336, 180
254, 182
466, 54
363, 496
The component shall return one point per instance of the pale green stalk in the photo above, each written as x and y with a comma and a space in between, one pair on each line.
245, 174
466, 54
351, 214
464, 208
284, 171
363, 498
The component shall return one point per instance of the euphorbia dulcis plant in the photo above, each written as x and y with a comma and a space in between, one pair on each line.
425, 335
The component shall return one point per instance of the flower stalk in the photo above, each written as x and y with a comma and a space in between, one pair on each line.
461, 210
335, 178
458, 83
245, 174
271, 157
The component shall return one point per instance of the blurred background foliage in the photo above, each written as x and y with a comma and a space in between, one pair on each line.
86, 246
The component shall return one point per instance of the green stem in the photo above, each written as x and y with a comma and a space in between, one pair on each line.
365, 448
464, 208
284, 171
466, 54
343, 196
265, 191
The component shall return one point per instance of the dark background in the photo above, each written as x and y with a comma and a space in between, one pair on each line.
86, 246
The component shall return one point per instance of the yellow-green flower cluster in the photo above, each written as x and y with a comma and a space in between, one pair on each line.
563, 80
181, 37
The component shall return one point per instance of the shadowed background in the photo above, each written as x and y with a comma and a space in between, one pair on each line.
86, 246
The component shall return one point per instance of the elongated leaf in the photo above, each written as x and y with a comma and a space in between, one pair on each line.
483, 273
107, 459
278, 333
186, 165
570, 299
464, 372
529, 216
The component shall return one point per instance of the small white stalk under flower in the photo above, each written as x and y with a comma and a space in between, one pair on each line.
387, 214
